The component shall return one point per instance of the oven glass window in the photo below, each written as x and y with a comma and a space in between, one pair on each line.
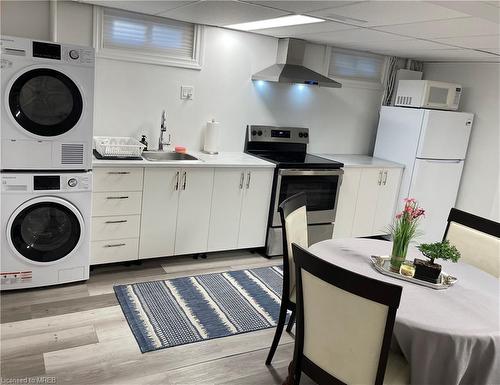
320, 190
45, 232
45, 102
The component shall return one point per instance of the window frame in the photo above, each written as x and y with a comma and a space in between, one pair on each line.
139, 56
357, 82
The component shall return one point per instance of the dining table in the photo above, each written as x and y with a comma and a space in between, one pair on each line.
448, 336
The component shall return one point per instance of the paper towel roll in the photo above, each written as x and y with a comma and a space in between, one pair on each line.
212, 137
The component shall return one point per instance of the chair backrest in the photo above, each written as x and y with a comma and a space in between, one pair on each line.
344, 322
477, 239
294, 228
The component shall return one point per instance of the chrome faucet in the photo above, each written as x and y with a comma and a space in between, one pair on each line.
163, 129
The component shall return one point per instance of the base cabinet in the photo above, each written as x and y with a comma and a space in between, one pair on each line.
240, 208
367, 201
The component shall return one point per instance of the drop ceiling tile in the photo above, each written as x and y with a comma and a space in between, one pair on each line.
146, 6
495, 3
412, 44
221, 13
483, 41
374, 13
444, 54
301, 6
296, 30
358, 35
480, 9
467, 26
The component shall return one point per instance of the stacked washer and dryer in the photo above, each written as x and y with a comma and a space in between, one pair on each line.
46, 160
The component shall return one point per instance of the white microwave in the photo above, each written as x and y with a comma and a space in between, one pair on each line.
428, 94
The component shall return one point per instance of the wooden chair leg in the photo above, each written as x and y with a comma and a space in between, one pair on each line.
291, 321
277, 335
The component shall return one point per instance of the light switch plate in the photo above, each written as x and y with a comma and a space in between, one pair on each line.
187, 92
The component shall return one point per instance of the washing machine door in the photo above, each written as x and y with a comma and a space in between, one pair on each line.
45, 102
45, 230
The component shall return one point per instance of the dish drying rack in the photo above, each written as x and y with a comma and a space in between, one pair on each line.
117, 147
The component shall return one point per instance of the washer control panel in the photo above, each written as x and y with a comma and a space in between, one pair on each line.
45, 182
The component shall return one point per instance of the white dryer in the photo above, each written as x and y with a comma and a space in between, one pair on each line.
47, 105
45, 237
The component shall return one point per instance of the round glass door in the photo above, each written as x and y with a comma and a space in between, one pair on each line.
45, 230
45, 102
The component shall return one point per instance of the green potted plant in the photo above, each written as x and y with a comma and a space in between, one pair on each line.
429, 271
403, 230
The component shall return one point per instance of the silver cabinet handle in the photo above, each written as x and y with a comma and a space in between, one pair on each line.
121, 221
242, 180
119, 172
248, 180
385, 177
177, 180
379, 178
185, 180
122, 197
116, 245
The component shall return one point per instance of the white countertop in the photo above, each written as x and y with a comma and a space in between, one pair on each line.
222, 159
351, 160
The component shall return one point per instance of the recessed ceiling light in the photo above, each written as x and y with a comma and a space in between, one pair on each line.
274, 23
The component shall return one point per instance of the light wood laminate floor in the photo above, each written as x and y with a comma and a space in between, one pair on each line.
77, 334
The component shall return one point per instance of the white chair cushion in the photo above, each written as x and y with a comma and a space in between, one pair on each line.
397, 371
476, 248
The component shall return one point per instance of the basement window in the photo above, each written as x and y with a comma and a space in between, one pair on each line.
130, 36
355, 65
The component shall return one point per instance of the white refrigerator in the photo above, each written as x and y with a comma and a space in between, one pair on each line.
432, 145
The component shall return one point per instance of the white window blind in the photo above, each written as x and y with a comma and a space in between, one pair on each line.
137, 37
356, 65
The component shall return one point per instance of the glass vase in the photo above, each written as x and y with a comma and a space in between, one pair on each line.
398, 254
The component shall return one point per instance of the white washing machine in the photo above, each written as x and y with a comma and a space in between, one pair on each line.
47, 105
45, 237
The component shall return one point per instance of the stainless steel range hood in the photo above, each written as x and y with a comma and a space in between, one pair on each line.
290, 67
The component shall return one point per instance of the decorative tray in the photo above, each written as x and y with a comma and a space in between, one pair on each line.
382, 263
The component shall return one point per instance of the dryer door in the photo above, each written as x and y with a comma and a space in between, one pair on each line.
45, 230
45, 102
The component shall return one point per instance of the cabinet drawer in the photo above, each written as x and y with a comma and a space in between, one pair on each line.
118, 179
116, 203
114, 251
115, 227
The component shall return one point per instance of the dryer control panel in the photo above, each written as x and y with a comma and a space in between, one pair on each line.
45, 182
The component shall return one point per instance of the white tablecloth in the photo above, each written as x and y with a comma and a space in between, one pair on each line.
448, 336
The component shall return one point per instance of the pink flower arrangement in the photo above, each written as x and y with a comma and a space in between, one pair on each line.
403, 230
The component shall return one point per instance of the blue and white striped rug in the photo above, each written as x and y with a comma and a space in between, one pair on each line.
180, 311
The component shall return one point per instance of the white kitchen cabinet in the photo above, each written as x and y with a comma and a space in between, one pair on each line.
193, 215
255, 208
159, 212
240, 208
367, 201
175, 211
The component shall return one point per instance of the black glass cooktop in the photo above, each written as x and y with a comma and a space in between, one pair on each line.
298, 160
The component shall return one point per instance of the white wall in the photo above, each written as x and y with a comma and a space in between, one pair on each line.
479, 189
25, 18
129, 96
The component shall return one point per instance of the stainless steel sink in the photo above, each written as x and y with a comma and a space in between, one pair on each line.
159, 156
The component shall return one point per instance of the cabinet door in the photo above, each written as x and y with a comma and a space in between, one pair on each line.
193, 218
387, 200
226, 208
366, 204
159, 212
346, 205
255, 207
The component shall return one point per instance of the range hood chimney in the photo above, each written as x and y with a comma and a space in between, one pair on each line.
290, 67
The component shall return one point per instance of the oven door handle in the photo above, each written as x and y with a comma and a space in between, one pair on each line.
292, 172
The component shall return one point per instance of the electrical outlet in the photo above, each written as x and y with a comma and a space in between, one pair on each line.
187, 92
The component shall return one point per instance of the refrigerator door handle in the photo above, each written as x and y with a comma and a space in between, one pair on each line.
442, 160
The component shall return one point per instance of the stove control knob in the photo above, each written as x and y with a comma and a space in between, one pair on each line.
72, 182
306, 134
301, 135
259, 133
73, 54
254, 133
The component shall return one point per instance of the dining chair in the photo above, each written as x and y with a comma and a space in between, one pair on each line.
294, 228
477, 239
344, 325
